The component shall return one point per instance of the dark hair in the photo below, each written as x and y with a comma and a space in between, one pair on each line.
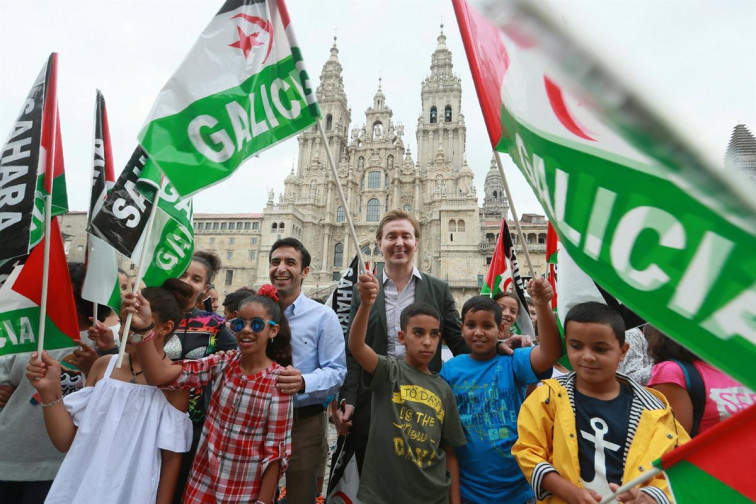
279, 348
414, 310
597, 313
482, 303
166, 301
295, 244
663, 348
233, 300
529, 301
84, 308
210, 261
508, 294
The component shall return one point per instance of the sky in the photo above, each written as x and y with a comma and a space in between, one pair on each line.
695, 57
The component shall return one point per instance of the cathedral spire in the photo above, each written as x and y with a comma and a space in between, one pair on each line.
379, 100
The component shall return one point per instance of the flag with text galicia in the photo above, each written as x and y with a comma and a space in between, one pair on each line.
635, 205
33, 149
101, 274
503, 275
242, 88
122, 221
21, 295
716, 466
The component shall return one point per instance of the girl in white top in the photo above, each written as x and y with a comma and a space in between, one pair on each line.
123, 438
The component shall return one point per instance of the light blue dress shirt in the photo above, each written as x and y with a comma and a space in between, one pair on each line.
317, 347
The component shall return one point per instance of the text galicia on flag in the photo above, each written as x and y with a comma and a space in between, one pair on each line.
242, 88
634, 205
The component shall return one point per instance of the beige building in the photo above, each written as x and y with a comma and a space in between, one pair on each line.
377, 172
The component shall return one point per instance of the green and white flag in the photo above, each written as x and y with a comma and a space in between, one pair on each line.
122, 221
635, 206
242, 88
101, 275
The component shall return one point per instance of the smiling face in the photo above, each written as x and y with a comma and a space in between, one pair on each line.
286, 272
509, 310
248, 341
196, 277
421, 340
594, 353
398, 244
481, 334
123, 284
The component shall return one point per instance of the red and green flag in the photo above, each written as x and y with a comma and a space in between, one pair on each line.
716, 466
503, 275
635, 205
33, 151
101, 283
242, 88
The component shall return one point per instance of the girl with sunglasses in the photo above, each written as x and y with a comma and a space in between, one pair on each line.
246, 438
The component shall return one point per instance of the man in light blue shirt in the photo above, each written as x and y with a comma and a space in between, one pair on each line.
318, 371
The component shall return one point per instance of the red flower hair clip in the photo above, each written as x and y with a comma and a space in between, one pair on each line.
268, 290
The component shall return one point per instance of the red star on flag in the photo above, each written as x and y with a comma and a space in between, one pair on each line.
246, 42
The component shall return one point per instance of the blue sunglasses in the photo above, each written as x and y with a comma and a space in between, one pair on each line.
257, 324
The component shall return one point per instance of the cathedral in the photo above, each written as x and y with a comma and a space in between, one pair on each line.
377, 173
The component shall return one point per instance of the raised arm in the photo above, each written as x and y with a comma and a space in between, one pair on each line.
367, 286
156, 370
545, 355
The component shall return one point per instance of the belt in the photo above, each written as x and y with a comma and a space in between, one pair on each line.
308, 411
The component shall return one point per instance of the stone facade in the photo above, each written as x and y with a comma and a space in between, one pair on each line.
377, 173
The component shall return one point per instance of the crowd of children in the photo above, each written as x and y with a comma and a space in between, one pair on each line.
202, 388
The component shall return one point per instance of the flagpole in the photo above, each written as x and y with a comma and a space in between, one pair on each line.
49, 175
140, 272
514, 213
341, 193
631, 484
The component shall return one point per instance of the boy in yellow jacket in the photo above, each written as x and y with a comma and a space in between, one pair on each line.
582, 435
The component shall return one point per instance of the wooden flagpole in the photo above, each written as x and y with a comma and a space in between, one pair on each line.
630, 484
140, 271
514, 214
341, 194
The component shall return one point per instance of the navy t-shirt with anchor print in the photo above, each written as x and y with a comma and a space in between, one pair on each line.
602, 434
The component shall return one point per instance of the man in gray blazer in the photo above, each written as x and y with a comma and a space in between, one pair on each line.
402, 284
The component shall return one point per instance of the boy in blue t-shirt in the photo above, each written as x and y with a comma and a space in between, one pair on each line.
489, 390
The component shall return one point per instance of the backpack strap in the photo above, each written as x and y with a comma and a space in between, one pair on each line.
696, 390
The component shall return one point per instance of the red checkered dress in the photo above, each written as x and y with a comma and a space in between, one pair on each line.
248, 426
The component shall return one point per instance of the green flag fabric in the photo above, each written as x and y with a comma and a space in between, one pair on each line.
647, 217
242, 88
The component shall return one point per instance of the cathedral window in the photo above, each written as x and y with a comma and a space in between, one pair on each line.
223, 226
495, 195
387, 204
433, 115
542, 238
329, 122
365, 249
374, 180
280, 227
407, 208
340, 217
447, 114
274, 227
452, 225
461, 226
490, 238
338, 255
373, 213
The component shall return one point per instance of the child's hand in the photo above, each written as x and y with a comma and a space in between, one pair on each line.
539, 289
139, 307
84, 357
632, 496
584, 496
101, 335
44, 376
367, 286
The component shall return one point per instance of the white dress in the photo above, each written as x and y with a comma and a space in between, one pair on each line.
115, 456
